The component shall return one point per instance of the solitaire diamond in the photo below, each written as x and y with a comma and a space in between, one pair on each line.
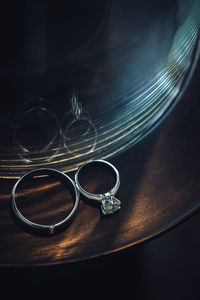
109, 205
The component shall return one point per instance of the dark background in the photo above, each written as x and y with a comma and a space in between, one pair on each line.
165, 267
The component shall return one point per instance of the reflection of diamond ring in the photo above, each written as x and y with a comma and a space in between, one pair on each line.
78, 131
109, 204
47, 229
79, 135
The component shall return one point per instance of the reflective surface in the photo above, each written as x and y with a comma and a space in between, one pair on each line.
160, 186
60, 110
92, 91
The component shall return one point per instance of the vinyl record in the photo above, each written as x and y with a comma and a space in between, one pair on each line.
83, 80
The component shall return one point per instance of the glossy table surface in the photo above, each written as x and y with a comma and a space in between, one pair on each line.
114, 55
160, 186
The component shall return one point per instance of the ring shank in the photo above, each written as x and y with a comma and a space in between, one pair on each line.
98, 197
40, 228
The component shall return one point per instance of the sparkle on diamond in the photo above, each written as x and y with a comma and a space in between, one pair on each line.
110, 204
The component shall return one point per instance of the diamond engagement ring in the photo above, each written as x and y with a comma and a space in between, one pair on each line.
40, 228
109, 204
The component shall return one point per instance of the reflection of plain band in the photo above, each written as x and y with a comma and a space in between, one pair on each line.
109, 204
24, 151
46, 229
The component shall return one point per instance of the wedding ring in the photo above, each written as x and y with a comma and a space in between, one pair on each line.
109, 204
40, 228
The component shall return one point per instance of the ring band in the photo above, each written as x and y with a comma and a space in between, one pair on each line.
109, 204
46, 229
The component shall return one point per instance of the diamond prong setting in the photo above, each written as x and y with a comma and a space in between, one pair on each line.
109, 205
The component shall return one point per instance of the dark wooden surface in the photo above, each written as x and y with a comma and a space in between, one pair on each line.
160, 186
166, 267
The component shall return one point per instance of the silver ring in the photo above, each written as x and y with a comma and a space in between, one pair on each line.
53, 228
109, 204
